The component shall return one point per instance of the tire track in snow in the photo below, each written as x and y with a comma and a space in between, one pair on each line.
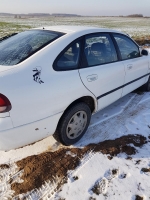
115, 126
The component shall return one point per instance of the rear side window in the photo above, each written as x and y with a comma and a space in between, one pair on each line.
69, 58
127, 47
99, 49
21, 46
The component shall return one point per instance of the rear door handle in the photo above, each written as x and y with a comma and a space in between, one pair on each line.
92, 77
129, 66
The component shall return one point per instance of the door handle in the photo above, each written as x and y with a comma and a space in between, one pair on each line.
92, 77
129, 66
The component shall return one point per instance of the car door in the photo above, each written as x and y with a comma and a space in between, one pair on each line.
101, 72
136, 66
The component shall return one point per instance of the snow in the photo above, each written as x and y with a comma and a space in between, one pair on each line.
111, 111
117, 187
97, 167
129, 115
37, 148
135, 182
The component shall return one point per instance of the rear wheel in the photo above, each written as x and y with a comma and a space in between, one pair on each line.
73, 124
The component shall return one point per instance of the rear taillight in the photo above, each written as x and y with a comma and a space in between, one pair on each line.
5, 105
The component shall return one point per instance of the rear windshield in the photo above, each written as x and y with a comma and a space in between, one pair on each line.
17, 48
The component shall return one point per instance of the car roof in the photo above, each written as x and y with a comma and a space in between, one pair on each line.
73, 29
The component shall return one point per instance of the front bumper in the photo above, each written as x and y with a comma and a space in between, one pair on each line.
23, 135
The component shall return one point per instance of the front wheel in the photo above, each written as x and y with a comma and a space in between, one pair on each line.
73, 124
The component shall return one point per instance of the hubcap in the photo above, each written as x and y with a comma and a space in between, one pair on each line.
76, 125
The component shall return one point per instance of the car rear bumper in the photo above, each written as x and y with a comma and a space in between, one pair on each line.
23, 135
5, 123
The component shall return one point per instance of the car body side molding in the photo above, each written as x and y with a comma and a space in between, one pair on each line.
103, 95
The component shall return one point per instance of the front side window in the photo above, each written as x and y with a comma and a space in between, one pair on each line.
127, 47
99, 49
19, 47
69, 59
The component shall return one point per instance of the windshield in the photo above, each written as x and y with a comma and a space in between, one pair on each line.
17, 48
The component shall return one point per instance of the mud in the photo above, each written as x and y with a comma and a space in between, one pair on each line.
145, 170
75, 178
119, 145
51, 165
99, 187
4, 166
137, 197
91, 198
114, 171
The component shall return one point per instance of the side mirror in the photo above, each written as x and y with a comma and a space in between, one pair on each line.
144, 52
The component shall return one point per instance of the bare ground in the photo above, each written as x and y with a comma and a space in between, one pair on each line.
48, 166
142, 41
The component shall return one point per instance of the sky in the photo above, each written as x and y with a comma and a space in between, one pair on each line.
81, 7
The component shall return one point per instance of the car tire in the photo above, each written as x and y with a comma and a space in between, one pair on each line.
73, 124
146, 86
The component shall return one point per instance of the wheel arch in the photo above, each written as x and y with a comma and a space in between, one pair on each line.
90, 101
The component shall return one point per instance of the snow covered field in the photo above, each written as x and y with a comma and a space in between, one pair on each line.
110, 168
133, 26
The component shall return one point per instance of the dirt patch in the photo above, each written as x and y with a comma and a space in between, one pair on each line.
119, 145
114, 171
145, 170
142, 41
46, 166
75, 178
4, 166
99, 187
91, 198
137, 197
51, 165
137, 162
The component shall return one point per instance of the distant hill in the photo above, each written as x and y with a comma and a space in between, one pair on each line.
39, 15
65, 15
21, 15
6, 14
135, 15
26, 15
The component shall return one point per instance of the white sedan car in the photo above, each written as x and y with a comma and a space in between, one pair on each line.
53, 79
